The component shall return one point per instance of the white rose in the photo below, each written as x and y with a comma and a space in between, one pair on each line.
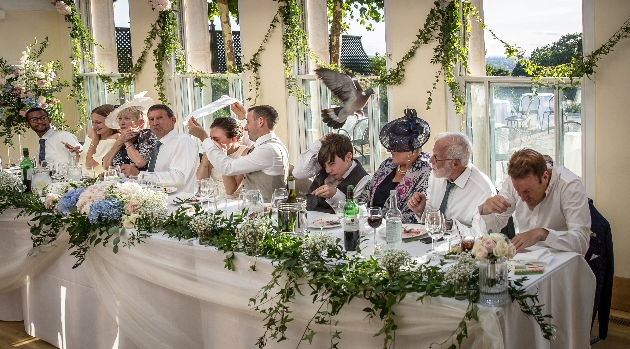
510, 252
497, 237
501, 249
479, 250
41, 99
40, 75
129, 221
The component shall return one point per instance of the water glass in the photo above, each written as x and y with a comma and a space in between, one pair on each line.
74, 173
339, 208
207, 188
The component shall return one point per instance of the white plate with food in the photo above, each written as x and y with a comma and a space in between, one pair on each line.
324, 223
409, 231
170, 190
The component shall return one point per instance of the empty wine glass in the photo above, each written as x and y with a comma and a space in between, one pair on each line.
207, 188
375, 219
433, 223
279, 195
339, 208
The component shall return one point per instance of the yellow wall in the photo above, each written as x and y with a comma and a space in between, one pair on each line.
612, 123
19, 29
402, 21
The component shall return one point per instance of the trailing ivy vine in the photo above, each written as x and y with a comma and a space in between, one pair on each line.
164, 28
82, 44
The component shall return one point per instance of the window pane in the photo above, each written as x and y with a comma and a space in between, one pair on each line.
572, 126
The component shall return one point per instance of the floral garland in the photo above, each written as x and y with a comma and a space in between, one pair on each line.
99, 212
28, 83
165, 27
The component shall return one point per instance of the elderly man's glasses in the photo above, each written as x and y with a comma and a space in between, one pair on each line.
39, 119
438, 160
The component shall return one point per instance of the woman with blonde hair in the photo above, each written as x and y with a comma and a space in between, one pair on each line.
99, 140
135, 143
226, 131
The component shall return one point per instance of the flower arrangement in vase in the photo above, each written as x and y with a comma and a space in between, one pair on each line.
493, 251
28, 83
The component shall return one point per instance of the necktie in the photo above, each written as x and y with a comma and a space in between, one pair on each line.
42, 151
449, 186
154, 156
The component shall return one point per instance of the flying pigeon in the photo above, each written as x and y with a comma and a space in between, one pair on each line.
346, 87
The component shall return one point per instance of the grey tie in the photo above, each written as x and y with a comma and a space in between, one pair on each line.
42, 151
449, 186
154, 156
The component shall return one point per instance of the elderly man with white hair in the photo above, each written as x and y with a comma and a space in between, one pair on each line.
456, 187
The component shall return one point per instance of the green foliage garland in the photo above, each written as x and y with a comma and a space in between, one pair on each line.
82, 44
165, 27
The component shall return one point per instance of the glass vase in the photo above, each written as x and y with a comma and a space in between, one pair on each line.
461, 289
493, 282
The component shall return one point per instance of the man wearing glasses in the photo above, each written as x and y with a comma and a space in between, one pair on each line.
55, 147
456, 187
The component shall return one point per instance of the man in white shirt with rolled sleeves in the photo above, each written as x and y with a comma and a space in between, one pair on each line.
175, 157
266, 167
456, 187
549, 204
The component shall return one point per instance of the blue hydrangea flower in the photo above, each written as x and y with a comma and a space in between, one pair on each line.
109, 208
123, 180
69, 200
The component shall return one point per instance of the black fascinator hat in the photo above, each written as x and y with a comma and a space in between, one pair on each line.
405, 134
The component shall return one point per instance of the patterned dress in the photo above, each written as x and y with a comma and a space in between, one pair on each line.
144, 144
416, 180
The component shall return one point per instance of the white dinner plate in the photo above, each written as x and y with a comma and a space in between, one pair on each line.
324, 223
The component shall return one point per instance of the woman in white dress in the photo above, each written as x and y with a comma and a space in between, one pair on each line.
99, 140
226, 131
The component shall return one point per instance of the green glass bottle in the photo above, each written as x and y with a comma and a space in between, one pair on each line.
292, 198
27, 170
350, 221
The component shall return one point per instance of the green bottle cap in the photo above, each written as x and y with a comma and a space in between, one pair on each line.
350, 187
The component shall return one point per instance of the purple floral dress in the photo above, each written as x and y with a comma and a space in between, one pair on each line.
416, 180
144, 143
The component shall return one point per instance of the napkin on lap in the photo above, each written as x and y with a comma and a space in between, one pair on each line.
534, 254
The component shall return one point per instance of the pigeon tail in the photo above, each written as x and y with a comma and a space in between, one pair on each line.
331, 117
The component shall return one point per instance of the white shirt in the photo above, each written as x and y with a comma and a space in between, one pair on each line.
563, 212
177, 161
308, 166
272, 159
471, 189
56, 152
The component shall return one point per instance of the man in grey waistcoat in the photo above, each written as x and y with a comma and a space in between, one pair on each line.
266, 167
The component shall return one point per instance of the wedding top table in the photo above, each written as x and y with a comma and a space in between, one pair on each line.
166, 293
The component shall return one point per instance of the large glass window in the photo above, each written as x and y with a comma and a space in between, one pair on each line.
505, 115
362, 130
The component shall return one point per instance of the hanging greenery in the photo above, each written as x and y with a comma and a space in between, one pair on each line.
165, 27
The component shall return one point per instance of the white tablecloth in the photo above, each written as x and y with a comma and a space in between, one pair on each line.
171, 294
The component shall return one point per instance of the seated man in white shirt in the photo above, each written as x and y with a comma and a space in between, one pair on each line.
266, 167
55, 147
456, 187
549, 204
330, 161
174, 157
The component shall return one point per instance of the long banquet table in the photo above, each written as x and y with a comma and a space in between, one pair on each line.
166, 293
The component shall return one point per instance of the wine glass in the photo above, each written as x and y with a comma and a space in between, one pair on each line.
279, 195
375, 219
433, 223
207, 189
448, 231
339, 208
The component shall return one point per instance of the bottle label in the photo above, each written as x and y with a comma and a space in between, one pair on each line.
393, 230
351, 223
291, 185
29, 174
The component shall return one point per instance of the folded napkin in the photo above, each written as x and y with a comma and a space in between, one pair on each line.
222, 102
534, 254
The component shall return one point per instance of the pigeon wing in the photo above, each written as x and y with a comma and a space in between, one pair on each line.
340, 84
